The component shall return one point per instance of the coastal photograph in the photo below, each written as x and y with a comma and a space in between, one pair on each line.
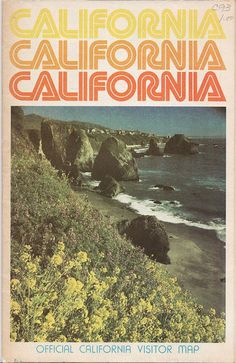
118, 224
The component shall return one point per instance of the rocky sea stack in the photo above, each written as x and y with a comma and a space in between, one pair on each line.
79, 150
179, 144
110, 187
154, 149
116, 160
148, 233
65, 145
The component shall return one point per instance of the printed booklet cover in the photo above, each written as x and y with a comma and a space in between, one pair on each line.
118, 181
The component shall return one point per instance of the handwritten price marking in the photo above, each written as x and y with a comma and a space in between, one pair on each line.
222, 7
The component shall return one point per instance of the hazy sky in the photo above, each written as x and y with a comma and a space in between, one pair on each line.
192, 121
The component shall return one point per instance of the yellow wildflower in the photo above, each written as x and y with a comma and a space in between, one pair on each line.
62, 338
141, 305
38, 312
111, 280
71, 285
158, 331
15, 283
134, 310
120, 331
143, 321
31, 267
15, 307
96, 322
103, 312
79, 304
92, 278
82, 256
54, 296
163, 299
149, 306
79, 285
206, 320
31, 283
50, 319
13, 336
25, 257
40, 338
70, 265
27, 248
123, 299
61, 321
212, 312
56, 260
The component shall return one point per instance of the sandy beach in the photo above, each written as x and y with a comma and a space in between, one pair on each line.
197, 256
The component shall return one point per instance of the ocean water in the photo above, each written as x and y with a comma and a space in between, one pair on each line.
199, 185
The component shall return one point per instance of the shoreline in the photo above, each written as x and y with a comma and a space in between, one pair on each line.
197, 256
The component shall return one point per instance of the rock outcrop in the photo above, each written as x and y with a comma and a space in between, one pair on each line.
54, 143
35, 138
73, 173
20, 142
179, 144
110, 187
148, 233
17, 118
79, 150
167, 188
122, 226
64, 145
156, 201
116, 160
154, 149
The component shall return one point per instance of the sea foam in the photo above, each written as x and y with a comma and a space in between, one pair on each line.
165, 212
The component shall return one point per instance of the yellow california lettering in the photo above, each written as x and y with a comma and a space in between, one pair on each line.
14, 23
125, 32
45, 25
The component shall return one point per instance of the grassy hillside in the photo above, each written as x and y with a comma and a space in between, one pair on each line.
73, 277
33, 121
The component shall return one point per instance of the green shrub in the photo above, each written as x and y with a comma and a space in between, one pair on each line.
75, 279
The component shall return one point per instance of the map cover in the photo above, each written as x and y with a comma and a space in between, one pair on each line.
118, 140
